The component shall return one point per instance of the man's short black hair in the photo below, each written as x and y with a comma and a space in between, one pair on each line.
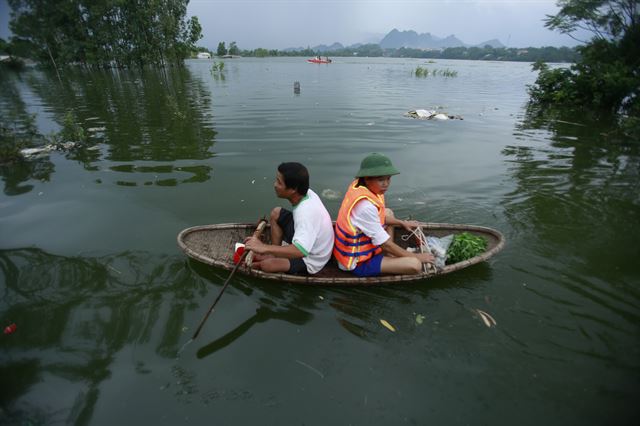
296, 176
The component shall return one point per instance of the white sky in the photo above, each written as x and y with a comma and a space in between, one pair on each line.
278, 24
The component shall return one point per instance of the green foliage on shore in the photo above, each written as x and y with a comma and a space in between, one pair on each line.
605, 81
222, 49
103, 33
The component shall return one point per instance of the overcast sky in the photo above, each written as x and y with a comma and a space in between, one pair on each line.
278, 24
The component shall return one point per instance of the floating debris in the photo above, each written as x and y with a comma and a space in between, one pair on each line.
387, 325
304, 364
426, 114
419, 319
330, 194
114, 269
10, 329
42, 150
486, 318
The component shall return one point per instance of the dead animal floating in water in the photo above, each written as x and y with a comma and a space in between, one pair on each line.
430, 114
33, 152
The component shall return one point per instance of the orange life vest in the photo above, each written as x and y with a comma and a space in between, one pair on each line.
351, 245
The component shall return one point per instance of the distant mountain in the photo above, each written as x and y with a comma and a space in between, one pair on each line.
318, 48
325, 48
495, 43
396, 39
293, 49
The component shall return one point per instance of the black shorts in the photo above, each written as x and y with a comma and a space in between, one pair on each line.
285, 222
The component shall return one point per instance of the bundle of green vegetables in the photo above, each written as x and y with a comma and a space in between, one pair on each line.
465, 246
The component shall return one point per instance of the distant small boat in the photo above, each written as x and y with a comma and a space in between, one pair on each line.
204, 55
319, 61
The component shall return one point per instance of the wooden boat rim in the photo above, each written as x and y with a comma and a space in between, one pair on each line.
344, 281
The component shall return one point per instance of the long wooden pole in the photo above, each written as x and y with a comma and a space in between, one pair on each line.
256, 234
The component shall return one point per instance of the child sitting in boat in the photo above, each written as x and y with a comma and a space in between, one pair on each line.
362, 244
307, 228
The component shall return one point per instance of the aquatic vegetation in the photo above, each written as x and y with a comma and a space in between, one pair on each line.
17, 141
71, 131
448, 73
10, 145
421, 72
217, 68
424, 72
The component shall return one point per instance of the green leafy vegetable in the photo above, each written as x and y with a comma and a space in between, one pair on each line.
465, 246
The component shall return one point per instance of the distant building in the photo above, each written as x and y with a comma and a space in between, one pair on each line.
204, 55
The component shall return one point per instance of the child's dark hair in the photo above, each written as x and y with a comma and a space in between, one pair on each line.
296, 176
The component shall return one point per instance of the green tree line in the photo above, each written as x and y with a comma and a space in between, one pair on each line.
529, 54
102, 33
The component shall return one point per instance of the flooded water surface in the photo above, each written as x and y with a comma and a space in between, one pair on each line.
104, 301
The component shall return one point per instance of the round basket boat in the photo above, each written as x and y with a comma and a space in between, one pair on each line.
214, 245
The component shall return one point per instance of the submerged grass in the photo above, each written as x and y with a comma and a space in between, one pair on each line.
425, 72
217, 67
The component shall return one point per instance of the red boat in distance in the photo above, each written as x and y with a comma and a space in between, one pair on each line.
319, 60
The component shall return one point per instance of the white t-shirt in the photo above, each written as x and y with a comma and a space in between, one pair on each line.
364, 216
313, 232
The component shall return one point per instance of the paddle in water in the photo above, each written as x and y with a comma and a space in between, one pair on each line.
249, 255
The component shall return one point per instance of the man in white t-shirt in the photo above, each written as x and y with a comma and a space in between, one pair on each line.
307, 229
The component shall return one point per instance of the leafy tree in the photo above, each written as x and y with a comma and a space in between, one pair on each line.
104, 32
222, 49
233, 49
606, 78
261, 52
604, 19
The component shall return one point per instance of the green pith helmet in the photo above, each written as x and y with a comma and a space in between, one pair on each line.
376, 165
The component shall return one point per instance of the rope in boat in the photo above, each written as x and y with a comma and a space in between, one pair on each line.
423, 244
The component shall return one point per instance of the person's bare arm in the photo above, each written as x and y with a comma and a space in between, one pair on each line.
409, 225
258, 247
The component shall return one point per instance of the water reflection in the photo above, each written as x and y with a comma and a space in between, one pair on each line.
160, 115
359, 311
575, 208
129, 116
192, 174
263, 313
75, 314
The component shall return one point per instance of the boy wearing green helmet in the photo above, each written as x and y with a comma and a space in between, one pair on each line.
362, 245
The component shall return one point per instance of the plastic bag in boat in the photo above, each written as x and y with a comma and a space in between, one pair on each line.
438, 248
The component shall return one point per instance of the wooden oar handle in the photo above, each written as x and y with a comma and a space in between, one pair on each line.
248, 261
